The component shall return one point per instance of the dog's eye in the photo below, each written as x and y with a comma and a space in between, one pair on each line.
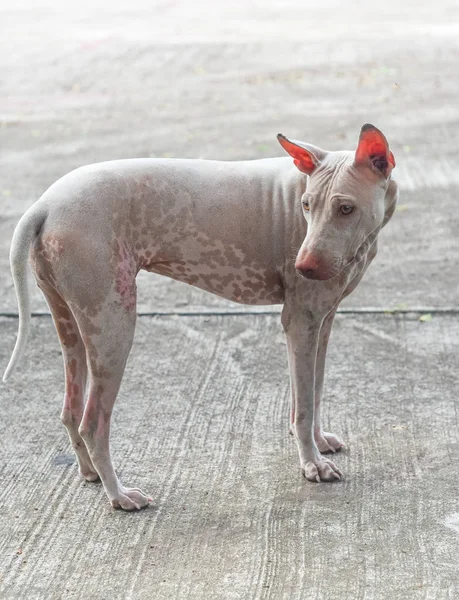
346, 209
306, 205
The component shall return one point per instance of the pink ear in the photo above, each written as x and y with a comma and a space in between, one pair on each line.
304, 160
373, 150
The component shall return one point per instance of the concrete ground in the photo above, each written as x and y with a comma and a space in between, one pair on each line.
232, 516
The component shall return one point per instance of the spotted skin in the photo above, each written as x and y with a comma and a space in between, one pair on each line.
229, 228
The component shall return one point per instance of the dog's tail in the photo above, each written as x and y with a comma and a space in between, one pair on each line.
26, 231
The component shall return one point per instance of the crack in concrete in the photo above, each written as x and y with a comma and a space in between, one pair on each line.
415, 310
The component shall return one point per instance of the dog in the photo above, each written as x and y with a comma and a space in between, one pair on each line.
225, 227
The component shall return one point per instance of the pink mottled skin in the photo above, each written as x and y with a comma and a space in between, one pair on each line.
225, 227
125, 273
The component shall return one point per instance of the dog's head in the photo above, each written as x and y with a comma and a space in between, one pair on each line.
350, 196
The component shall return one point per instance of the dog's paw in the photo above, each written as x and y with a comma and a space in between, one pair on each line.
131, 499
328, 442
90, 475
321, 469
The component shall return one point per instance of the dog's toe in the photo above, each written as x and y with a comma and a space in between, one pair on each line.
90, 475
131, 499
321, 470
328, 442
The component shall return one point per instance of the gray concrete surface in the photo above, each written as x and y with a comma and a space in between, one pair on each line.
201, 422
206, 435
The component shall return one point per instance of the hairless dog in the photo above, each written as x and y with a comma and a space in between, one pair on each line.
225, 227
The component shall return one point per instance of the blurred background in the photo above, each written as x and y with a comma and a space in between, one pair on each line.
83, 82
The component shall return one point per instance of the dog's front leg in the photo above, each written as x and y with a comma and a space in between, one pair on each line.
302, 330
326, 442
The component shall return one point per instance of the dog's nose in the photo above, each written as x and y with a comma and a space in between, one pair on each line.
309, 266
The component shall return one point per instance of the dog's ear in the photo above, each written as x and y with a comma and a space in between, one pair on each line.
373, 151
390, 201
306, 157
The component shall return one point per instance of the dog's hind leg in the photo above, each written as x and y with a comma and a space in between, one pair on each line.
74, 355
108, 337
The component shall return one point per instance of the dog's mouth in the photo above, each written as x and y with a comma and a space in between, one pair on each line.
314, 275
326, 276
345, 266
335, 273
